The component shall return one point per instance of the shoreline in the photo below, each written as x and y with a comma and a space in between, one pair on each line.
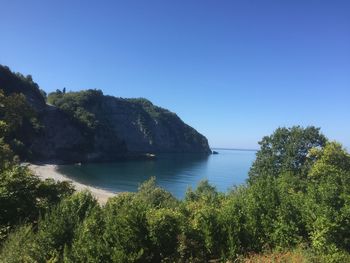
49, 171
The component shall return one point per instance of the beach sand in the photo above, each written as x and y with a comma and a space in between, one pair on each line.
46, 171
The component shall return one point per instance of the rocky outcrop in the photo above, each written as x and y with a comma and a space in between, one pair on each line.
124, 127
147, 128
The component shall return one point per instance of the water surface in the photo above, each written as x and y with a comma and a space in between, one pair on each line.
174, 172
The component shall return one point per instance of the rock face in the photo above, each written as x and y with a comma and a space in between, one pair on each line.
122, 127
60, 140
147, 128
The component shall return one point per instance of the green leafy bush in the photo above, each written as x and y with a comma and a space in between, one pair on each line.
298, 214
77, 105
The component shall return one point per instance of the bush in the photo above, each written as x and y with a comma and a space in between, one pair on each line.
285, 217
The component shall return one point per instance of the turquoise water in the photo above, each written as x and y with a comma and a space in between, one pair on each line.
174, 172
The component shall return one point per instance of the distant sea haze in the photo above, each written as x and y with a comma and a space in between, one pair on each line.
174, 172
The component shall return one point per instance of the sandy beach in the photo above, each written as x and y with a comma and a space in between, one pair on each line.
46, 171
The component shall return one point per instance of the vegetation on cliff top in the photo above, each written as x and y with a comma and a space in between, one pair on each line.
76, 105
11, 82
91, 111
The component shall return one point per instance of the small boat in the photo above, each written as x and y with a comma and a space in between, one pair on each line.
150, 156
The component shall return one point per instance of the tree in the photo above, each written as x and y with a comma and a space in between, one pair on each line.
286, 150
89, 244
154, 196
327, 205
126, 232
164, 228
6, 155
24, 196
57, 228
19, 122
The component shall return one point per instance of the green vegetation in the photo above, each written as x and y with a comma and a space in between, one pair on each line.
20, 101
77, 105
295, 204
154, 111
286, 150
18, 123
86, 111
295, 208
23, 196
12, 82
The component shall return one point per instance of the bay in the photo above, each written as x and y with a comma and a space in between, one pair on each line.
173, 172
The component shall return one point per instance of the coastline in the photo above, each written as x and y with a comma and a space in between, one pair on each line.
46, 171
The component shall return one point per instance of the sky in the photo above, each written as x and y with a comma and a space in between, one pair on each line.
233, 70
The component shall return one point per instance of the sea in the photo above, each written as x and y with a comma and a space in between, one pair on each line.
174, 172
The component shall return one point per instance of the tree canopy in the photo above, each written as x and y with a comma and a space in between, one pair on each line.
19, 122
286, 150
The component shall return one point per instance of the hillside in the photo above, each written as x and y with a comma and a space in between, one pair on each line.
90, 126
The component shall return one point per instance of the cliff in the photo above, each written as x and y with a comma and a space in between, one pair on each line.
89, 126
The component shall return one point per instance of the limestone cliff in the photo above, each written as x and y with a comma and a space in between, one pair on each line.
89, 126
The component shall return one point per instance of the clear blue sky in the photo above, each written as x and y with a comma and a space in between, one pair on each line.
234, 70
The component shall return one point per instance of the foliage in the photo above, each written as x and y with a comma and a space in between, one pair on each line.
297, 215
87, 111
154, 111
20, 100
154, 196
24, 196
57, 228
11, 82
327, 207
76, 105
164, 227
6, 154
19, 122
88, 244
18, 246
286, 150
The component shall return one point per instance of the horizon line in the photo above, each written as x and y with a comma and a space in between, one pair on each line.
236, 149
